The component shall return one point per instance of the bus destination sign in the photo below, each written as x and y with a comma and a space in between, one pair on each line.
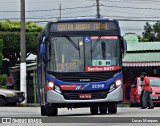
83, 26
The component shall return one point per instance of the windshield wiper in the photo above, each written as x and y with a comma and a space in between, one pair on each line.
95, 44
72, 42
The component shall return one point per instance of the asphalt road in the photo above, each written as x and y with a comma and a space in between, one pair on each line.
78, 112
83, 115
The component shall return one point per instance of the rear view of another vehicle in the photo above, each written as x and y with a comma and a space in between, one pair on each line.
11, 97
155, 85
136, 91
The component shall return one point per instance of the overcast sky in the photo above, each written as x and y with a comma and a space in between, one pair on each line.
117, 9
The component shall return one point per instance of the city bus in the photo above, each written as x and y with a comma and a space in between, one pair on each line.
79, 64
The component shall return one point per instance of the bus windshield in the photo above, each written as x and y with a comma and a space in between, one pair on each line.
75, 53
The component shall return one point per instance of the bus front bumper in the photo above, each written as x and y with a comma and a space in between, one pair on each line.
114, 96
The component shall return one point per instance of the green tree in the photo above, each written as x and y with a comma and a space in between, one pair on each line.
151, 32
156, 28
3, 80
10, 32
14, 26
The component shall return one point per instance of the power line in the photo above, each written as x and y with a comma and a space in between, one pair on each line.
134, 2
37, 2
129, 17
33, 18
127, 12
78, 11
45, 16
131, 7
130, 1
47, 10
50, 9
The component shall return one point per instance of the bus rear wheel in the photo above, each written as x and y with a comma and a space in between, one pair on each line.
103, 109
112, 108
51, 110
94, 110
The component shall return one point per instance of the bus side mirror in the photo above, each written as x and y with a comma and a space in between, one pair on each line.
42, 50
124, 45
42, 47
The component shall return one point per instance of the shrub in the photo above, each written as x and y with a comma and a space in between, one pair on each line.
3, 80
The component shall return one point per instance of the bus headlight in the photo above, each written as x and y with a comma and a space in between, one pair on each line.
112, 86
51, 84
57, 89
54, 87
118, 83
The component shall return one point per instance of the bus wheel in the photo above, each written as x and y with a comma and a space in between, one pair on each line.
51, 110
94, 110
103, 109
112, 108
43, 110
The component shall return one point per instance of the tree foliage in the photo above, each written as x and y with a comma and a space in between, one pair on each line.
3, 80
14, 26
10, 32
151, 32
11, 49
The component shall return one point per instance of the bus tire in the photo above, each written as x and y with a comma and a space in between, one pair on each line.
94, 110
112, 108
43, 110
51, 110
103, 109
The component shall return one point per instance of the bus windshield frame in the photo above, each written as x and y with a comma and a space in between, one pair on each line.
76, 54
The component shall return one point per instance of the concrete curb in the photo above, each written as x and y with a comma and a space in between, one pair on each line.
28, 105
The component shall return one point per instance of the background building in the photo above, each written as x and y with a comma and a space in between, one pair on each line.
140, 57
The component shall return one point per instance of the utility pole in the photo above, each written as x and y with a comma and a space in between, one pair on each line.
98, 9
60, 11
23, 86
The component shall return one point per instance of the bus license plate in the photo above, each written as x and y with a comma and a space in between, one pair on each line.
85, 96
154, 97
